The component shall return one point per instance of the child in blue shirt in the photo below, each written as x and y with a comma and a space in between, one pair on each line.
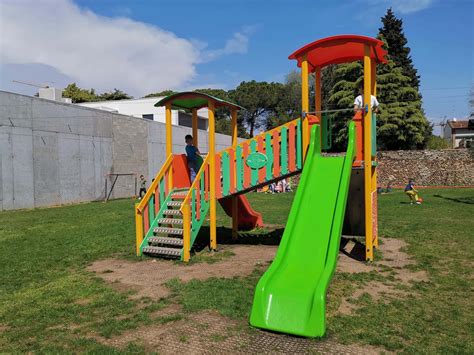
192, 155
412, 193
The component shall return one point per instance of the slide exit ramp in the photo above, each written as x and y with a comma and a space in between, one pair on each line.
291, 295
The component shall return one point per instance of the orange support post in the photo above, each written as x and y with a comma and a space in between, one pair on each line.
276, 153
291, 148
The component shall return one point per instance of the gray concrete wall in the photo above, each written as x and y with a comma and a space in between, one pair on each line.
53, 153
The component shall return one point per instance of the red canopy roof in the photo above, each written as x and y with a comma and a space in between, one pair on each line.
339, 49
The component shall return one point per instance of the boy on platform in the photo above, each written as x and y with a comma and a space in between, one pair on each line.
192, 156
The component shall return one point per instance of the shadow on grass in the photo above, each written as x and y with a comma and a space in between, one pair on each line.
224, 236
469, 200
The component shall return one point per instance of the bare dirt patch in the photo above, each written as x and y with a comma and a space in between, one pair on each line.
147, 278
394, 262
209, 332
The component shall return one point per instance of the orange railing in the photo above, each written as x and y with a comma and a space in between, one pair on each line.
276, 153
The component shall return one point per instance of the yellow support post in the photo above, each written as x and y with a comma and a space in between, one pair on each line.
305, 103
373, 88
234, 127
369, 253
169, 142
186, 233
317, 93
235, 217
373, 75
138, 229
195, 127
212, 177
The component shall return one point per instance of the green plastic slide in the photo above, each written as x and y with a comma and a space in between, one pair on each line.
291, 295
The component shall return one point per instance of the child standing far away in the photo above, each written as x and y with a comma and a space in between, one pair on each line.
192, 156
412, 193
359, 100
142, 186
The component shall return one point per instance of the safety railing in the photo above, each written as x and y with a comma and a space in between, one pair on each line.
195, 206
150, 205
268, 156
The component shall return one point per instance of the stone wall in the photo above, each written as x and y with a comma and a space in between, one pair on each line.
54, 153
448, 167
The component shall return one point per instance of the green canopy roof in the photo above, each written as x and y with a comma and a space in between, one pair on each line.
194, 100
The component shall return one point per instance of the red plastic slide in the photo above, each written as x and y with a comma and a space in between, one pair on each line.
248, 217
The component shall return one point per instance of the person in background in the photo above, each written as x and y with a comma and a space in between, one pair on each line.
142, 186
290, 184
412, 193
192, 156
359, 100
271, 188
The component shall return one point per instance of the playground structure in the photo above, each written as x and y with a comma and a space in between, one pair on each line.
336, 194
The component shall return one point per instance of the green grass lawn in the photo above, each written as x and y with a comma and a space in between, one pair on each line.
50, 303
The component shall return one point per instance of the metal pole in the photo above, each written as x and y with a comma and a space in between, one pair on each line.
105, 193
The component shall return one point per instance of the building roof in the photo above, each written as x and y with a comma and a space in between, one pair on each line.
194, 100
339, 49
461, 124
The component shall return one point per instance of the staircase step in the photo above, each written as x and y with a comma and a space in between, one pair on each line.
174, 204
167, 230
166, 240
172, 221
172, 213
162, 251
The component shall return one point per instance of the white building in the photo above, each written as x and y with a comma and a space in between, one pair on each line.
460, 133
145, 108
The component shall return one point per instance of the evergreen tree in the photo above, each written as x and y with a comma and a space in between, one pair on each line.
346, 78
392, 32
401, 123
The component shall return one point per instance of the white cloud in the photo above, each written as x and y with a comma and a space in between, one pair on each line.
404, 6
237, 44
101, 52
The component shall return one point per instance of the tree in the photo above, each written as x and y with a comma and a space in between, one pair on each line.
222, 115
161, 93
220, 112
288, 106
114, 95
401, 122
77, 95
328, 80
436, 142
346, 78
392, 32
259, 99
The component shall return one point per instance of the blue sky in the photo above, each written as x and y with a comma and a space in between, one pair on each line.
225, 42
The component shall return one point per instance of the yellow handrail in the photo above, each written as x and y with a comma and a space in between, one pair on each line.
195, 182
155, 183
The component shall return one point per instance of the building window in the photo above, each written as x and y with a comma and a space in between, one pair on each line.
185, 119
148, 116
